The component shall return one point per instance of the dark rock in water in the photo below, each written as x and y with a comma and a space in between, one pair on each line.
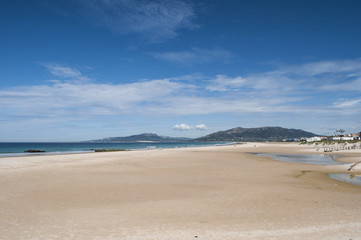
34, 151
110, 150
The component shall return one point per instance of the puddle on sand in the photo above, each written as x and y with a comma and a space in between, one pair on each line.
348, 178
320, 159
315, 159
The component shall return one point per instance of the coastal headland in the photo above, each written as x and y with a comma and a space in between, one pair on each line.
220, 192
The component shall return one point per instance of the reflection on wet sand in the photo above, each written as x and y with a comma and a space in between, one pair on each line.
348, 178
320, 159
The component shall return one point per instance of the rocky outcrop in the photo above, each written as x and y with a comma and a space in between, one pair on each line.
34, 151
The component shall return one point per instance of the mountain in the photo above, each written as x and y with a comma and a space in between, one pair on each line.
144, 137
256, 134
232, 135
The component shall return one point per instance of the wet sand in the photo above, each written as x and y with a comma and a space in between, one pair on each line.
222, 192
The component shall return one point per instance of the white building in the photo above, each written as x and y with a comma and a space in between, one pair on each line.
342, 138
313, 139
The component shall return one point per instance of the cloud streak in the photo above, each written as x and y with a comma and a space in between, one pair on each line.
67, 73
326, 76
345, 103
194, 56
88, 99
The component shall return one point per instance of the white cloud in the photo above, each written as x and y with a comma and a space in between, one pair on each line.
156, 20
194, 56
185, 127
201, 127
182, 127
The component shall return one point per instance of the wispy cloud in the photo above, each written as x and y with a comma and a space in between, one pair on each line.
155, 20
87, 99
324, 76
194, 56
67, 73
345, 103
226, 83
286, 90
322, 67
175, 96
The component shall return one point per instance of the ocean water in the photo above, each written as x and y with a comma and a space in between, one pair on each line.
18, 149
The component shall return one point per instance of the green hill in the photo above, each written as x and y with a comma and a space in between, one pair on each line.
256, 134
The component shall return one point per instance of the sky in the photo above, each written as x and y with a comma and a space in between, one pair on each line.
74, 70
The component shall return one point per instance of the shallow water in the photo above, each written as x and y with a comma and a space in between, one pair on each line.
346, 178
320, 159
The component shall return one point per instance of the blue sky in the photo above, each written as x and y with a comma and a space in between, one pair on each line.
88, 69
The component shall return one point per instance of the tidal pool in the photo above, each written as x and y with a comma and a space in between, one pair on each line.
348, 178
320, 159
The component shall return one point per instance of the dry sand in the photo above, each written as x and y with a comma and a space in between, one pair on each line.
193, 193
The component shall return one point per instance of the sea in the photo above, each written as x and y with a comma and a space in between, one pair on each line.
11, 149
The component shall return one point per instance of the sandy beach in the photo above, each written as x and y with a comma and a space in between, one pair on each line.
222, 192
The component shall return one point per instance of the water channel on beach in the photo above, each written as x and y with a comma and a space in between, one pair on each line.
347, 178
320, 159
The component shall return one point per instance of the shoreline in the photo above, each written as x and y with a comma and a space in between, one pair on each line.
91, 150
345, 158
218, 192
310, 148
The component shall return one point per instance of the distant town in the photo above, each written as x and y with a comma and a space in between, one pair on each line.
339, 135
